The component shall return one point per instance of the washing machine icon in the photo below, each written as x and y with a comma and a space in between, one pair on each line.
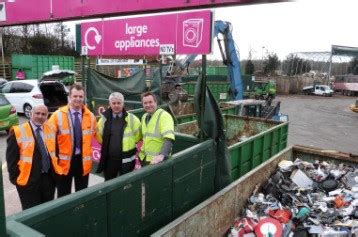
192, 32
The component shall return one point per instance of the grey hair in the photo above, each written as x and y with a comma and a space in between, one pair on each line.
116, 95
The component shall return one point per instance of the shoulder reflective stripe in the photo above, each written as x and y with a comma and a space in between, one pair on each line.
23, 135
27, 139
143, 118
128, 134
52, 154
152, 135
49, 136
168, 132
86, 158
87, 132
63, 157
26, 159
60, 124
148, 153
136, 130
60, 121
70, 123
156, 130
65, 131
131, 121
126, 160
22, 130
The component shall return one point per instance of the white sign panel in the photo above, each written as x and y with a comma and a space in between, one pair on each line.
166, 49
84, 50
113, 61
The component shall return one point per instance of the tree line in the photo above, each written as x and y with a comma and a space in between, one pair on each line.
44, 39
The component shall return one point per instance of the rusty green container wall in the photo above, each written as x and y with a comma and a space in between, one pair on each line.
265, 139
220, 89
2, 207
218, 85
135, 204
35, 65
217, 70
248, 154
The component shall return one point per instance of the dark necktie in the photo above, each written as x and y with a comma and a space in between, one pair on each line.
149, 116
77, 131
43, 151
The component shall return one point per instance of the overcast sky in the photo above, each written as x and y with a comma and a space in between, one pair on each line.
283, 28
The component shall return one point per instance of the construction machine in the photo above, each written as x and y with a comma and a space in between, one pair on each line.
171, 84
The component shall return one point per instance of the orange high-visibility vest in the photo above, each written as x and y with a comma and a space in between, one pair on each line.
26, 142
62, 122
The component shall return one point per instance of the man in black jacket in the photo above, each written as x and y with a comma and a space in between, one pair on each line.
118, 131
31, 159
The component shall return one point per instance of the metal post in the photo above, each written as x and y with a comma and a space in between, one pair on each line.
2, 208
161, 79
202, 94
2, 52
83, 79
330, 65
83, 69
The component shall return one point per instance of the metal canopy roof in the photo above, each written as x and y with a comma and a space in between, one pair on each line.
344, 51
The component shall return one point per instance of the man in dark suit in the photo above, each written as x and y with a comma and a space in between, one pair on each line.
31, 159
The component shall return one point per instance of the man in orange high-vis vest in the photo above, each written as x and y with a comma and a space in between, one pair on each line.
75, 127
31, 159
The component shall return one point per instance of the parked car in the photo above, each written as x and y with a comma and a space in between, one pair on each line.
8, 115
318, 90
25, 94
2, 81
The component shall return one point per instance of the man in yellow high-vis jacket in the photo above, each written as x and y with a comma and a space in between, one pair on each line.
157, 131
118, 131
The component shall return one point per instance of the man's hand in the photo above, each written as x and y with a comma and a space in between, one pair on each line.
157, 159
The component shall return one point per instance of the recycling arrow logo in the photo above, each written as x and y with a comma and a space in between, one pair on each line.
97, 38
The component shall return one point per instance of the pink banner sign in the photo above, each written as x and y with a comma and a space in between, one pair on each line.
181, 33
16, 12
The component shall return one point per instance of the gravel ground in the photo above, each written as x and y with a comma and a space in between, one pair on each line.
323, 122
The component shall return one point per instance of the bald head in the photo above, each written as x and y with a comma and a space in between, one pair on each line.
39, 114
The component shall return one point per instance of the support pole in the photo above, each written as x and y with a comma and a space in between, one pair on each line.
2, 208
2, 52
202, 94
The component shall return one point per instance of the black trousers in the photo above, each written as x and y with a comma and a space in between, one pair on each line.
115, 168
64, 183
43, 192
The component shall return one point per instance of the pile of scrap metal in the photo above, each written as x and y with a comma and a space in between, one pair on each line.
303, 199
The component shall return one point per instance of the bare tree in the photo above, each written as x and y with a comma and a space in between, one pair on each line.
62, 32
